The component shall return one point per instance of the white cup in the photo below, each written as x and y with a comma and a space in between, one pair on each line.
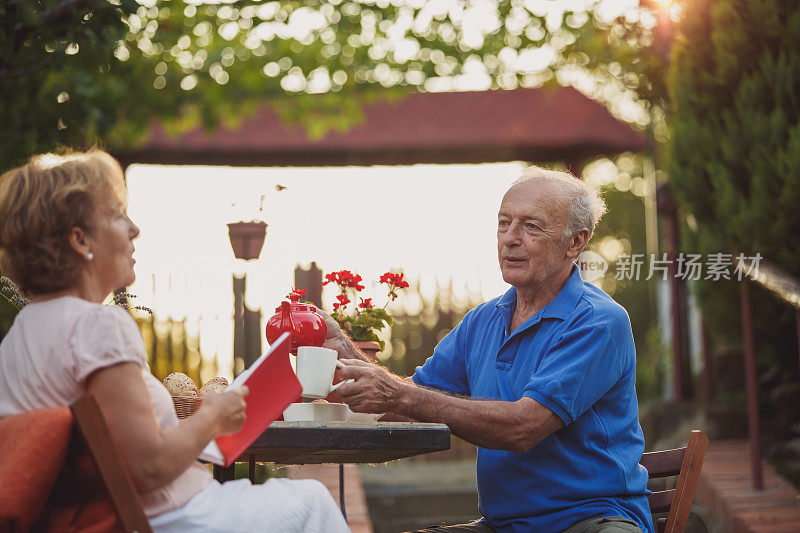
315, 369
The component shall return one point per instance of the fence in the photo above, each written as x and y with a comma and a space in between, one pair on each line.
787, 289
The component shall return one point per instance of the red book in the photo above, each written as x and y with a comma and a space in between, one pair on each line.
273, 386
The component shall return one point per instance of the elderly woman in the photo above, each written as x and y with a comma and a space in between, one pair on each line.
68, 243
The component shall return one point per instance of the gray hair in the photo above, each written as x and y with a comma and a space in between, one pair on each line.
586, 205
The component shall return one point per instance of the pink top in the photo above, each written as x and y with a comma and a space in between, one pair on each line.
55, 345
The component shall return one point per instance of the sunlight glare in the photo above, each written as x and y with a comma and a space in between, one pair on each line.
436, 223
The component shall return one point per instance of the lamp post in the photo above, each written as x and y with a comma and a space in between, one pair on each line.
247, 240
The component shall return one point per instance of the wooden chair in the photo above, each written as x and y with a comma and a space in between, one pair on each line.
110, 464
686, 464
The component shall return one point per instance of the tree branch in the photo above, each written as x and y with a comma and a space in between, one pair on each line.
24, 71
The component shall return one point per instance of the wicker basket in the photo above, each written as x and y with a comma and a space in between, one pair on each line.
186, 406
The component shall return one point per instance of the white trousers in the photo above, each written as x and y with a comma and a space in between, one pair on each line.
279, 505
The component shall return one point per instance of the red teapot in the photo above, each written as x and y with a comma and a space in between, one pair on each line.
304, 324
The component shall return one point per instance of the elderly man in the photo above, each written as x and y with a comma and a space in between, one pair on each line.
541, 379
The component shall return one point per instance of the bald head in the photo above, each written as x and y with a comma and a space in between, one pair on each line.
581, 203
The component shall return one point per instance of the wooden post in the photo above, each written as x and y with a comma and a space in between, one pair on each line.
751, 383
680, 366
252, 335
708, 365
239, 346
679, 390
246, 326
311, 281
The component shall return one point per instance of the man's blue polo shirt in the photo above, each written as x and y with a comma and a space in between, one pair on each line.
576, 357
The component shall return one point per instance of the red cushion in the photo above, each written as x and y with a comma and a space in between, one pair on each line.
48, 481
32, 450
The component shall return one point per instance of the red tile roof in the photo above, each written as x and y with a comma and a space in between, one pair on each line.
460, 127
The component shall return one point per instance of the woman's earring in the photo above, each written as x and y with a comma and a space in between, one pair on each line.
89, 256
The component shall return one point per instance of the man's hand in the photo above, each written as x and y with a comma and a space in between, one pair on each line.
337, 340
335, 337
334, 330
375, 389
503, 425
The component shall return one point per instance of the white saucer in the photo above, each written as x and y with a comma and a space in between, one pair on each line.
362, 418
326, 412
315, 412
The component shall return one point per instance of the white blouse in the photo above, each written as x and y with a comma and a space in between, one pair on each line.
55, 345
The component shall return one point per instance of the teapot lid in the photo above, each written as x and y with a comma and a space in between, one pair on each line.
295, 304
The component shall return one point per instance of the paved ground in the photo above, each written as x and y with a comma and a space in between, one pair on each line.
725, 490
412, 494
403, 495
406, 472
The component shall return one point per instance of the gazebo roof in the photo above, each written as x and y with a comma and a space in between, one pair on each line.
459, 127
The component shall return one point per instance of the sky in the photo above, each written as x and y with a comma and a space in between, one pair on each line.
435, 223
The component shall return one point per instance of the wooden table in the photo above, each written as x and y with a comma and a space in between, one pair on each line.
299, 443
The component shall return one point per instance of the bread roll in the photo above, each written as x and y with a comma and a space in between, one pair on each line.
179, 384
217, 384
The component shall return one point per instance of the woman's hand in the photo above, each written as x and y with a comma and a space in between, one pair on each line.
227, 409
157, 455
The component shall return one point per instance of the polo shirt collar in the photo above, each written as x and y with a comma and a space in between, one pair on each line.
559, 307
507, 303
567, 298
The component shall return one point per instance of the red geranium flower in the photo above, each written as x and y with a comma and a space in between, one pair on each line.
398, 280
345, 280
395, 282
299, 292
367, 320
343, 301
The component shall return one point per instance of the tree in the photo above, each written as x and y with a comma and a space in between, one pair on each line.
735, 146
77, 72
734, 155
59, 80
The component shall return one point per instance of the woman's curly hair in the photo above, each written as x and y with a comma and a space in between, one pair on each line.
40, 203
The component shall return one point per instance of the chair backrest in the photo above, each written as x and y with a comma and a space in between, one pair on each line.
110, 464
686, 464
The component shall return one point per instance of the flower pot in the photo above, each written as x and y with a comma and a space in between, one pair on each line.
370, 349
247, 238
